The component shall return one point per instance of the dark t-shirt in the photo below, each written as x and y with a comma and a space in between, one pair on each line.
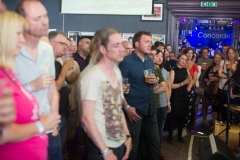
87, 59
160, 79
173, 63
64, 101
167, 66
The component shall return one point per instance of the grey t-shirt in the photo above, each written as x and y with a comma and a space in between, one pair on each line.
163, 96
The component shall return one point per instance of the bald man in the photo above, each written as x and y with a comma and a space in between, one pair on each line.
73, 46
82, 53
42, 86
128, 47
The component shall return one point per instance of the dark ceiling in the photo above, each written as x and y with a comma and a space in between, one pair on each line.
193, 9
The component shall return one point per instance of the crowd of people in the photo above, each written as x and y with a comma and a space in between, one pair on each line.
115, 95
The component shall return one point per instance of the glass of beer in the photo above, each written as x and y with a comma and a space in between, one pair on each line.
147, 73
204, 65
68, 56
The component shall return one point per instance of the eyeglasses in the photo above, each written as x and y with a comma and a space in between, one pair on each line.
62, 43
128, 48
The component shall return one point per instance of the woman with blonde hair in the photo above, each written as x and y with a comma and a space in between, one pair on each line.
211, 81
227, 66
25, 137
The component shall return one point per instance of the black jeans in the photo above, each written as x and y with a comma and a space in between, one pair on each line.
161, 118
222, 96
180, 121
93, 153
149, 125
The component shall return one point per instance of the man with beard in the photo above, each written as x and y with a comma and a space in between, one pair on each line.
82, 53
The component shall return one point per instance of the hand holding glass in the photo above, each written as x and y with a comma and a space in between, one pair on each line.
204, 66
125, 85
68, 56
147, 73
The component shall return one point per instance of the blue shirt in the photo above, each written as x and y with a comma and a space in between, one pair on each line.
141, 95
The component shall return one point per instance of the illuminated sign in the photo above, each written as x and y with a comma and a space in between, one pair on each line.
212, 35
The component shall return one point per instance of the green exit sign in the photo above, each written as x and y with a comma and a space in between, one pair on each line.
208, 4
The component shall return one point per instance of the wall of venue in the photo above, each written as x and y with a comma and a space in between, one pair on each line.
91, 23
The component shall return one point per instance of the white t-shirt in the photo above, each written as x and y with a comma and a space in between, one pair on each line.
222, 81
108, 104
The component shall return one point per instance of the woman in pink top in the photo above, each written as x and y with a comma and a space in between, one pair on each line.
193, 70
24, 138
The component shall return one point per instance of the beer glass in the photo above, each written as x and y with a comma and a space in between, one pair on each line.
147, 73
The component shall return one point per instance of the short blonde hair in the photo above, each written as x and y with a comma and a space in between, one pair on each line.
9, 22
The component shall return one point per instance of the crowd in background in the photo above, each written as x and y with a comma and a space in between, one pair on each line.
104, 97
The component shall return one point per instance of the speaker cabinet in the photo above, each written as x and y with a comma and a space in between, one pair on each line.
214, 148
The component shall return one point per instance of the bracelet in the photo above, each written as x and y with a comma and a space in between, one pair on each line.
180, 84
105, 152
65, 84
159, 85
126, 107
28, 87
168, 103
40, 127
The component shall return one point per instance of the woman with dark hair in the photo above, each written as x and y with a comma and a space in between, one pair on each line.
211, 79
193, 70
195, 57
180, 82
228, 66
163, 97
